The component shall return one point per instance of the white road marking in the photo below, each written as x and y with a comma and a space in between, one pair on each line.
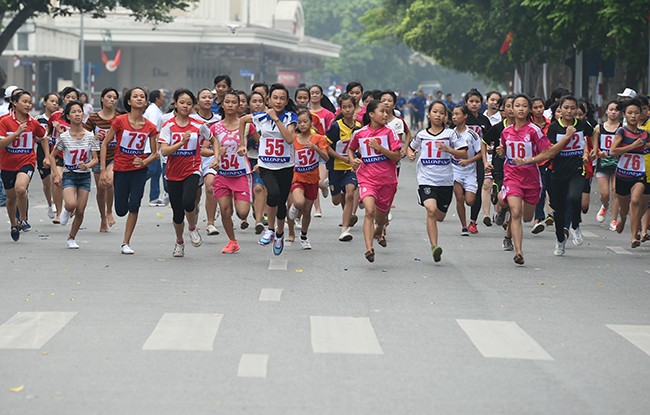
588, 234
502, 339
253, 366
184, 331
31, 330
270, 294
637, 335
619, 250
278, 265
350, 335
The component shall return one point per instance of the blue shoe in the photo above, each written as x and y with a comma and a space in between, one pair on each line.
25, 226
267, 237
278, 245
15, 233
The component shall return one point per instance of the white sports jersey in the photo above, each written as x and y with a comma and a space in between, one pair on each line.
473, 147
434, 166
274, 152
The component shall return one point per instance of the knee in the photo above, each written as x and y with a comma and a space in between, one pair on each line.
21, 191
273, 199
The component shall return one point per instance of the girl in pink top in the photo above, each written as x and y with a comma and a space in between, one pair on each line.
379, 147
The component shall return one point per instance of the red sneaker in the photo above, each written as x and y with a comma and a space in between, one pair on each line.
231, 248
472, 228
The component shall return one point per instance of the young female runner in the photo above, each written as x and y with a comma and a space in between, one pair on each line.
79, 148
537, 117
492, 112
222, 84
376, 171
99, 123
50, 106
276, 127
256, 103
436, 145
18, 133
130, 131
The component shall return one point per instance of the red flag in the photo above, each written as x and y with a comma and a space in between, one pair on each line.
506, 43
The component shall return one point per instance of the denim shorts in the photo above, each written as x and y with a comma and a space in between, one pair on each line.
79, 180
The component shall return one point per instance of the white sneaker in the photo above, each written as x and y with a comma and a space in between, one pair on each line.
600, 216
304, 244
297, 223
179, 250
156, 203
559, 248
72, 244
65, 217
390, 216
51, 211
195, 238
126, 250
325, 187
165, 201
212, 230
345, 235
293, 212
577, 237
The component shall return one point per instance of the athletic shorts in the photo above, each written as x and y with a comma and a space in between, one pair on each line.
441, 194
206, 163
79, 180
587, 186
40, 156
468, 181
624, 187
383, 194
239, 187
339, 179
9, 177
529, 195
257, 179
310, 189
97, 168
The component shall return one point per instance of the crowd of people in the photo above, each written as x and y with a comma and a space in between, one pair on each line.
511, 158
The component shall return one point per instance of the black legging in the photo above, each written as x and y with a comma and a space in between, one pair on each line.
182, 196
480, 178
278, 187
566, 194
128, 187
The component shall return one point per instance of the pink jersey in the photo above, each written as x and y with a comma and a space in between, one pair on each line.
527, 142
376, 168
326, 118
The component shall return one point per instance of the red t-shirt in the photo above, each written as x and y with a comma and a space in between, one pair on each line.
19, 152
186, 160
130, 142
326, 118
56, 117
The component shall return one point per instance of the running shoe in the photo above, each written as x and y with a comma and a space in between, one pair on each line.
345, 236
507, 244
267, 238
501, 216
325, 187
15, 233
126, 250
165, 201
259, 228
550, 220
265, 219
156, 203
472, 228
436, 252
231, 248
318, 214
51, 211
25, 226
297, 223
212, 230
464, 232
600, 216
494, 194
566, 233
293, 212
519, 259
244, 224
537, 228
304, 244
487, 221
195, 238
179, 250
612, 226
72, 244
577, 237
278, 244
559, 248
65, 217
353, 220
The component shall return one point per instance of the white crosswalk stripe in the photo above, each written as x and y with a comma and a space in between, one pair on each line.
253, 366
635, 334
184, 331
31, 330
349, 335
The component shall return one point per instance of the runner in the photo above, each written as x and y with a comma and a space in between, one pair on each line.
50, 106
99, 123
276, 127
537, 117
233, 180
355, 90
256, 104
18, 132
304, 187
222, 84
322, 107
376, 171
631, 144
79, 148
602, 140
342, 179
492, 112
436, 146
181, 140
130, 131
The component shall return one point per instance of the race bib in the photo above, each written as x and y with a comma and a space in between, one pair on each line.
575, 145
23, 144
370, 155
232, 164
606, 141
113, 142
188, 149
306, 160
72, 157
430, 154
342, 147
631, 165
133, 143
477, 129
274, 150
518, 149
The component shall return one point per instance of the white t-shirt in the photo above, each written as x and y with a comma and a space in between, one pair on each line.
75, 151
434, 167
274, 152
473, 147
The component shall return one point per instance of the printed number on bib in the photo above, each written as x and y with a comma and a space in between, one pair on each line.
307, 160
232, 164
369, 154
342, 147
274, 147
631, 165
133, 143
518, 149
606, 142
24, 143
75, 156
187, 149
574, 147
432, 155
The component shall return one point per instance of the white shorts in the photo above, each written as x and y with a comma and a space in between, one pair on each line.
206, 162
467, 181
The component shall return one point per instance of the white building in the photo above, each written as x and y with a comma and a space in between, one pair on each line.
247, 39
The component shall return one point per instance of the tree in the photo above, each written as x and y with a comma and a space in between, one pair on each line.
19, 11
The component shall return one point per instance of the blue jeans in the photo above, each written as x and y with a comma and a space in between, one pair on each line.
154, 171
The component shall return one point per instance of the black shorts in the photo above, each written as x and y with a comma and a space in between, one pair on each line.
341, 178
441, 194
40, 156
9, 177
586, 188
624, 187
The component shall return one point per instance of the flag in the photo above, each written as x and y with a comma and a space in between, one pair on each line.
506, 43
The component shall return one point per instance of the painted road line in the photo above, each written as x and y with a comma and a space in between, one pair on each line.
637, 335
619, 250
31, 330
278, 265
184, 331
502, 339
588, 234
350, 335
253, 366
271, 294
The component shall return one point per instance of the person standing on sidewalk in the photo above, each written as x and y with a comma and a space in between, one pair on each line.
154, 114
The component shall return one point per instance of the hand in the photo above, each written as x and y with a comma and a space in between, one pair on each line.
56, 180
241, 151
223, 150
101, 134
57, 126
215, 164
501, 151
602, 154
570, 130
489, 167
586, 159
22, 127
463, 163
374, 144
356, 163
638, 143
272, 114
186, 138
103, 179
520, 162
82, 166
402, 152
442, 146
46, 163
138, 162
412, 155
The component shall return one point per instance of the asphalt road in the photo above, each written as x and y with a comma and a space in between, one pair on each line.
323, 331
